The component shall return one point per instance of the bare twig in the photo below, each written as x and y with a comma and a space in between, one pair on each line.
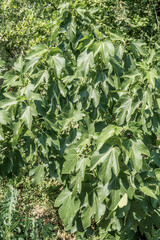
3, 149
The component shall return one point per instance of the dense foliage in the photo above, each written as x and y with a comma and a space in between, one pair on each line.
83, 106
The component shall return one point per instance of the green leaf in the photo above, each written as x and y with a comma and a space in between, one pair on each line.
52, 125
85, 43
124, 110
69, 206
82, 163
71, 158
67, 210
10, 95
4, 117
37, 51
8, 164
109, 157
155, 157
58, 63
136, 149
111, 163
8, 103
11, 78
43, 77
37, 173
100, 156
105, 48
85, 61
115, 35
100, 209
151, 56
1, 135
147, 191
17, 129
102, 191
27, 117
30, 65
139, 46
96, 97
71, 30
18, 65
147, 100
62, 89
70, 115
2, 63
62, 197
86, 216
120, 51
152, 75
116, 191
107, 133
157, 172
77, 180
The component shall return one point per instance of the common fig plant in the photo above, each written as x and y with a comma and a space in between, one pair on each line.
86, 108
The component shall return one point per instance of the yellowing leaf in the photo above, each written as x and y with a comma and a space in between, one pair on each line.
124, 200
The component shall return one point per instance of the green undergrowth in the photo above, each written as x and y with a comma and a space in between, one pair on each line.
27, 210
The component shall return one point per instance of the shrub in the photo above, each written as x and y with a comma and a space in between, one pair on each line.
86, 109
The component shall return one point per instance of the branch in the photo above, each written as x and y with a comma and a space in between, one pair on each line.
52, 4
3, 149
